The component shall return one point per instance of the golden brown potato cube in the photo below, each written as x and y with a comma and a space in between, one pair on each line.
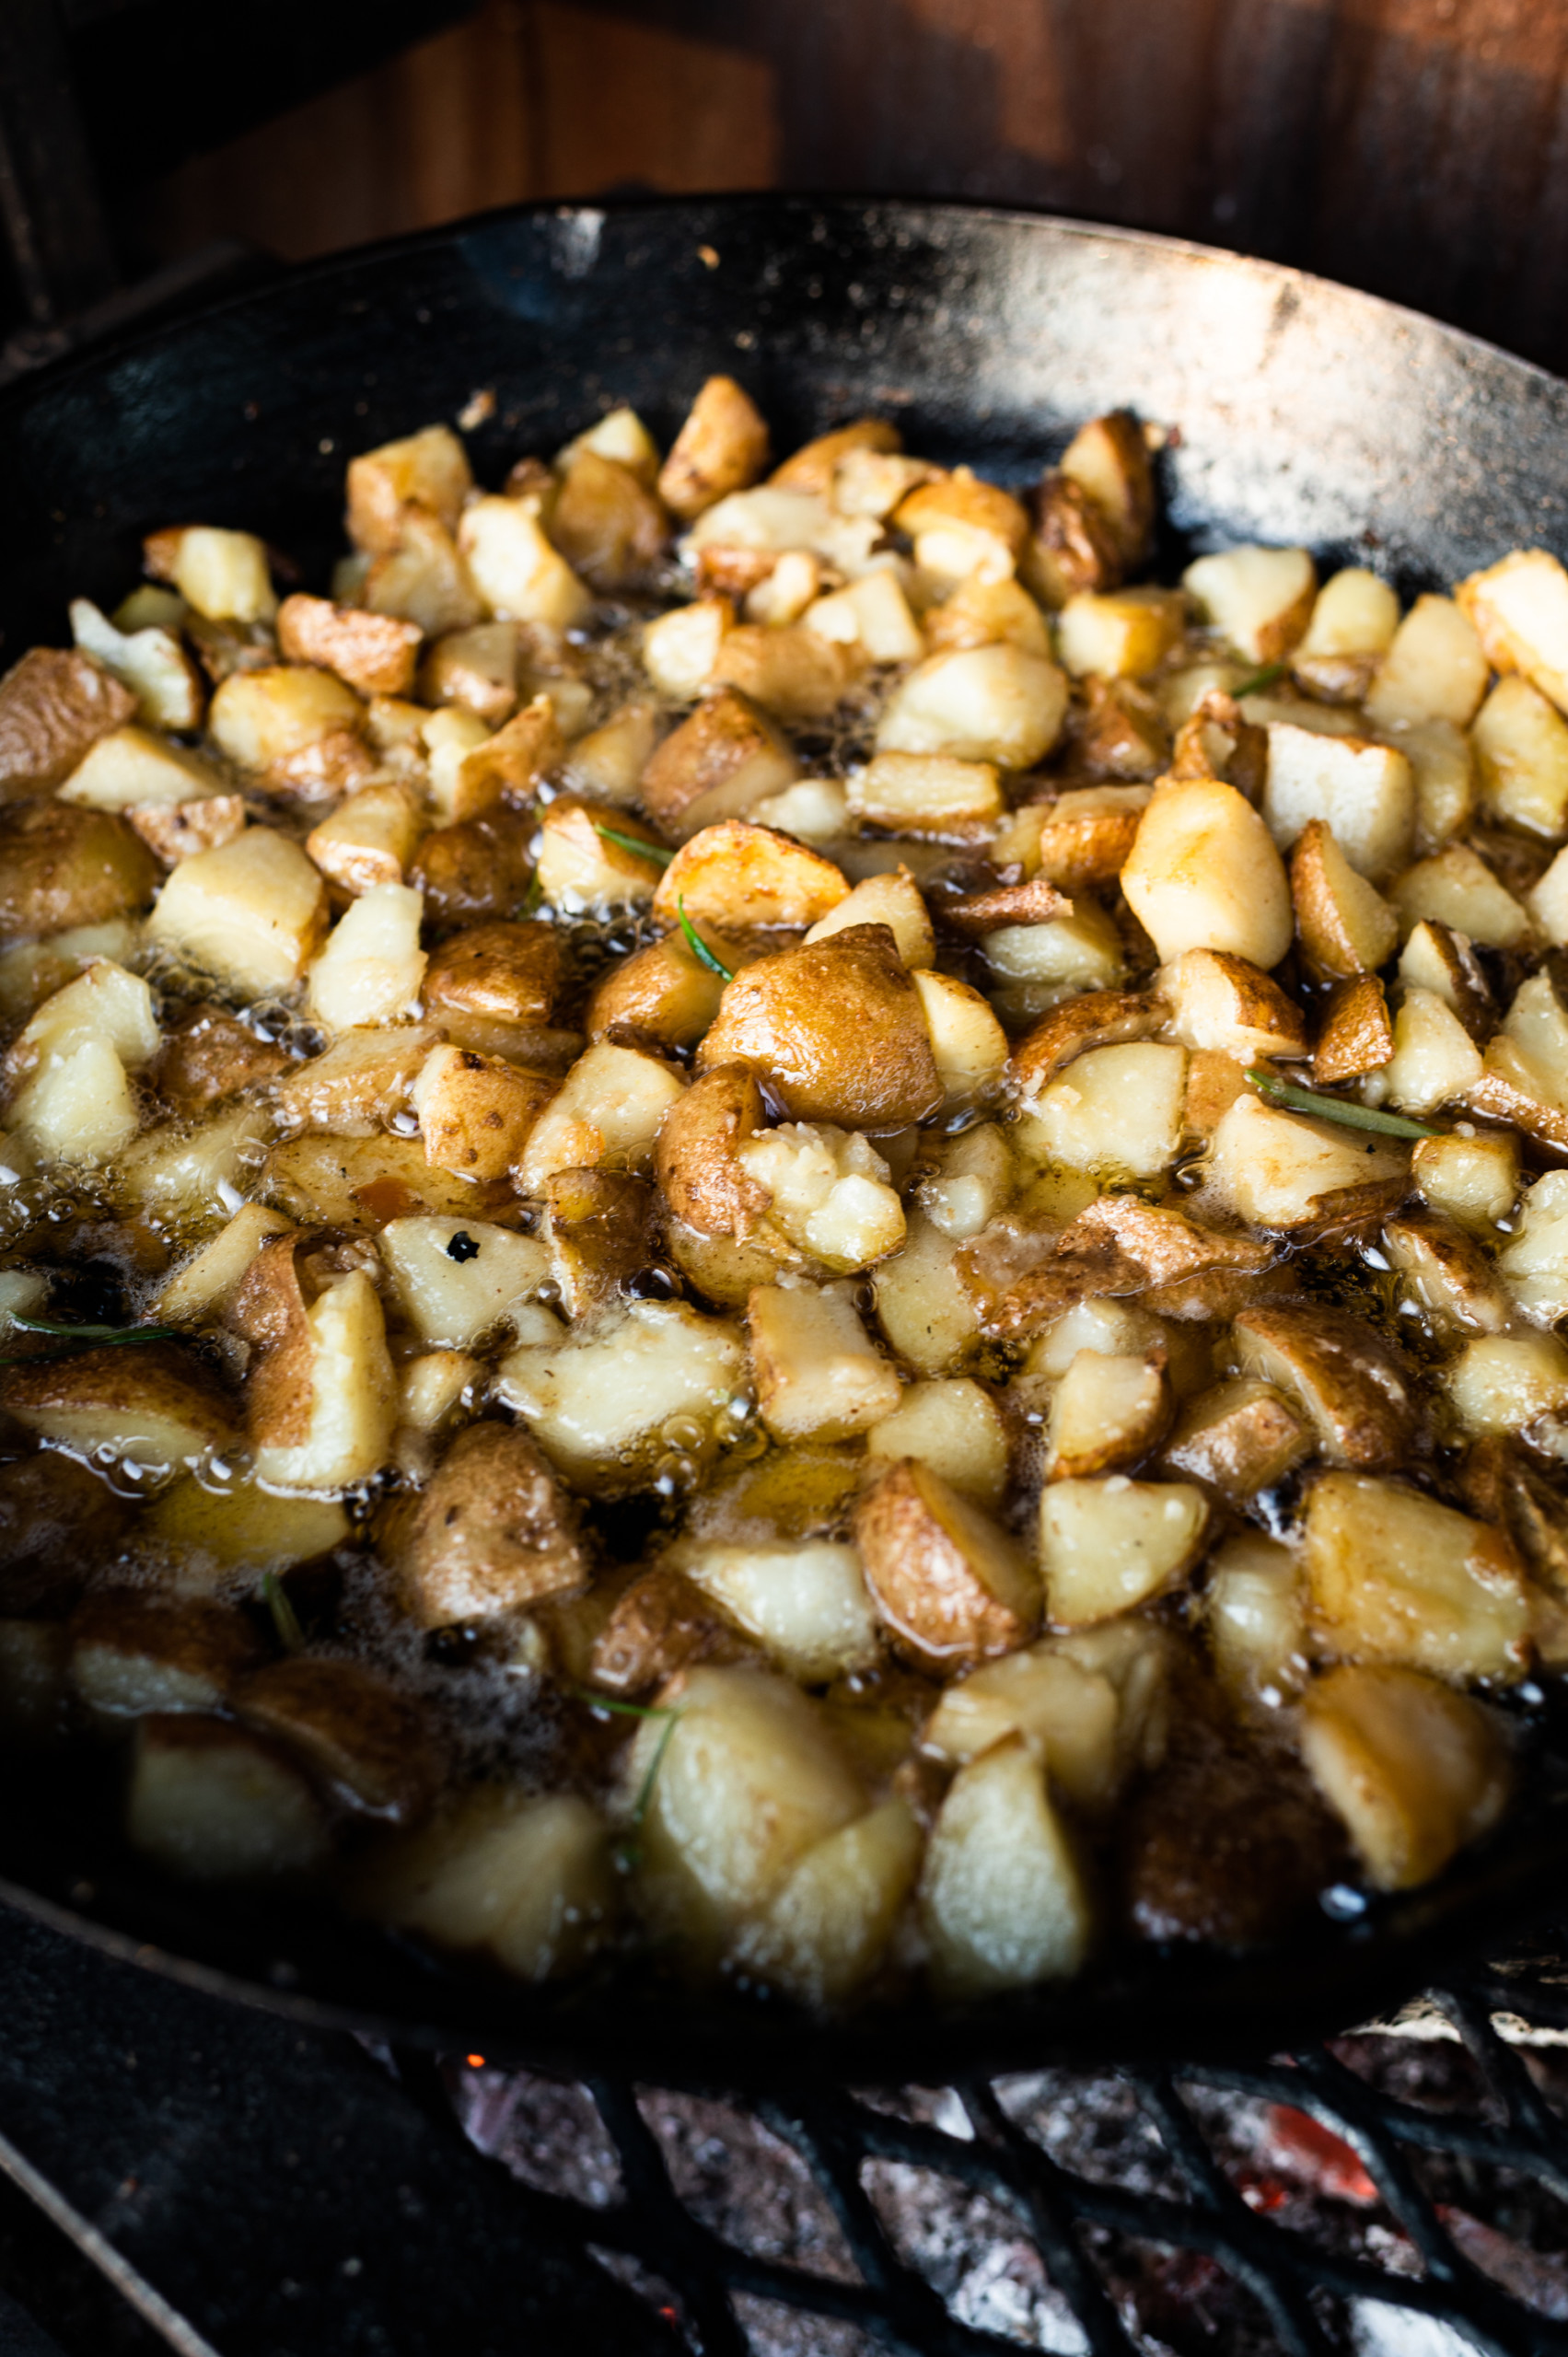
148, 659
210, 1802
1239, 1439
428, 470
1204, 873
375, 654
1456, 888
805, 1020
1415, 1771
493, 1532
608, 1109
716, 765
1072, 546
1217, 1001
813, 467
154, 1404
892, 898
62, 868
1109, 461
1093, 1020
368, 1744
822, 1935
1110, 1543
927, 794
177, 830
960, 526
1474, 1180
1004, 1902
581, 866
790, 671
132, 1652
1107, 1413
660, 998
370, 839
1356, 1035
210, 1057
606, 524
606, 764
1521, 748
660, 1626
423, 579
53, 708
1260, 599
1435, 669
979, 704
738, 878
525, 1877
1283, 1171
1346, 926
949, 1583
476, 1112
599, 1228
679, 648
510, 971
1448, 1274
985, 612
955, 1428
475, 872
252, 911
475, 668
1511, 1383
265, 719
722, 447
1077, 841
1344, 1375
696, 1161
1395, 1577
817, 1373
1119, 635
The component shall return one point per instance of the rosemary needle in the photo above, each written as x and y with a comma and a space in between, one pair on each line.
698, 947
654, 853
91, 1334
1338, 1108
286, 1619
1260, 680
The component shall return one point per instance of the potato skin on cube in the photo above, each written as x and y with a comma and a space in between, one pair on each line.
53, 708
724, 757
493, 1532
1415, 1771
802, 1021
61, 867
951, 1586
721, 447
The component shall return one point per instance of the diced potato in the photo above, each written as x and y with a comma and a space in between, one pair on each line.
1456, 887
371, 967
801, 1019
525, 1877
1255, 1616
224, 576
681, 648
1547, 902
925, 795
1395, 1577
1355, 615
1345, 1378
105, 1005
598, 1399
150, 1406
953, 1427
361, 1085
976, 1178
721, 447
1115, 1110
211, 1803
1276, 1169
427, 470
1515, 1383
511, 563
984, 704
133, 1653
659, 997
815, 810
829, 1192
806, 1604
369, 839
1475, 1182
1082, 838
1534, 1262
1107, 460
1415, 1771
951, 1586
581, 869
1521, 745
608, 1109
430, 1389
1364, 792
872, 613
1089, 1707
130, 766
423, 580
1443, 768
1215, 1001
893, 900
64, 869
1003, 1903
1204, 874
606, 764
1531, 1050
619, 434
1357, 1036
1260, 599
1436, 958
1346, 926
78, 1106
1046, 963
607, 524
1435, 1059
962, 527
266, 720
922, 1305
455, 792
719, 762
252, 911
477, 1113
1120, 634
177, 830
374, 654
817, 1371
985, 612
1435, 668
1110, 1326
200, 1290
1107, 1413
967, 1041
53, 707
351, 1403
199, 1174
1107, 1544
738, 876
150, 661
823, 1933
1519, 607
458, 1280
492, 1533
1444, 1272
790, 671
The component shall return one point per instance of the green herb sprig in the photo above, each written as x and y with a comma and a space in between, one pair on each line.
1339, 1109
654, 854
529, 905
628, 1854
698, 947
81, 1338
1260, 680
286, 1619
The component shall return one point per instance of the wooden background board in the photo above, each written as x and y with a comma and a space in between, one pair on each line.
1418, 148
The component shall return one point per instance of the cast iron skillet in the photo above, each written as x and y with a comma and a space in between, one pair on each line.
1303, 413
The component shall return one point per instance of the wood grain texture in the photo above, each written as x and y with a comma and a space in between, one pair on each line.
1418, 148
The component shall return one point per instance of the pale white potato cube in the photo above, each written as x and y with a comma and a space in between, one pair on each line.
1414, 1770
1354, 613
831, 1192
922, 1306
1089, 1707
79, 1108
619, 434
1255, 1614
1520, 609
815, 811
892, 899
681, 648
224, 574
1547, 902
982, 704
431, 1385
516, 572
1396, 1577
749, 1781
1081, 951
369, 839
784, 597
824, 1931
1274, 1168
201, 1288
954, 1427
1456, 887
215, 1533
976, 1178
527, 1877
372, 966
361, 1085
769, 518
1117, 1329
968, 1042
919, 793
1521, 748
1536, 1028
1475, 1180
1435, 1059
1107, 1413
872, 613
1204, 872
1109, 1544
177, 1174
149, 661
806, 1604
1260, 599
1119, 635
1435, 668
449, 736
1228, 1005
1443, 768
817, 1371
597, 1399
262, 718
608, 1111
209, 1803
1534, 1261
1003, 1903
250, 913
354, 1396
453, 1297
1365, 793
1116, 1109
606, 764
1505, 1383
107, 1005
130, 766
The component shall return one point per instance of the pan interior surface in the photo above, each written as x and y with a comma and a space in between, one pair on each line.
1293, 410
